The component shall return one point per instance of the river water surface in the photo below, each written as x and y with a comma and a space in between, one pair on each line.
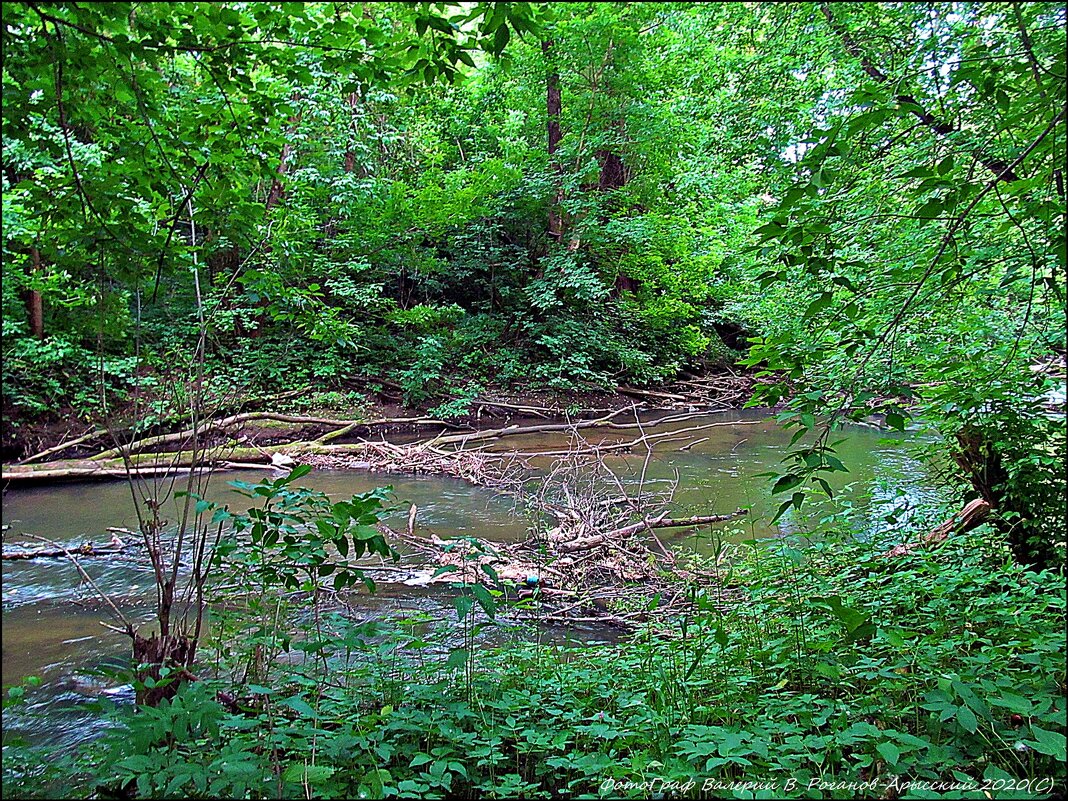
51, 621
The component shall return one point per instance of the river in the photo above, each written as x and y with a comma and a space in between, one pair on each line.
51, 621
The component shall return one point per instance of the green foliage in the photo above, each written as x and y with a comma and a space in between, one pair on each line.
292, 537
838, 666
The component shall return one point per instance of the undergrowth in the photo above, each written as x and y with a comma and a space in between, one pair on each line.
841, 674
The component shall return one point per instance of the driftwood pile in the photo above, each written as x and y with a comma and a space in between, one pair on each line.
599, 559
711, 392
473, 466
601, 552
442, 453
599, 556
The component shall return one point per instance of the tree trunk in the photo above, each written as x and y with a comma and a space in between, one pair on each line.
982, 463
34, 302
350, 154
553, 105
972, 515
277, 188
155, 652
613, 174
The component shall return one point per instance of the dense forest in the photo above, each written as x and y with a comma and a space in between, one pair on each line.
455, 216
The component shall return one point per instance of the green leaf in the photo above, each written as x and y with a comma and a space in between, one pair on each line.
299, 471
818, 305
300, 706
966, 718
500, 39
783, 508
299, 772
485, 599
1051, 743
457, 658
889, 752
463, 604
853, 619
895, 420
786, 482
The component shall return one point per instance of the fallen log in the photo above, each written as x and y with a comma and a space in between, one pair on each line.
100, 432
971, 516
418, 458
649, 523
343, 426
648, 393
139, 464
85, 549
70, 443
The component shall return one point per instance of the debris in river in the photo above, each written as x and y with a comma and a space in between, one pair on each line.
602, 555
85, 549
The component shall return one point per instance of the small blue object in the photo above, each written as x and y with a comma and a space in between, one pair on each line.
532, 580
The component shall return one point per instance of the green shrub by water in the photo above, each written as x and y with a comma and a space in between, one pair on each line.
835, 673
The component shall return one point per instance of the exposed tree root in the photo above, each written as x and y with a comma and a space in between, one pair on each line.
971, 516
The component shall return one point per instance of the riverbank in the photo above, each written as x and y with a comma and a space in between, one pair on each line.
65, 437
767, 649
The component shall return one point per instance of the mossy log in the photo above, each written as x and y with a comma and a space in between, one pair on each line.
148, 464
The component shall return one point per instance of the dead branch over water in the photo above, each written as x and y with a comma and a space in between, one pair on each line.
417, 457
599, 559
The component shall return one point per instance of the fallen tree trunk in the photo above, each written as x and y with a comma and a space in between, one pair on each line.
648, 393
85, 549
226, 422
971, 516
100, 432
141, 464
651, 523
70, 443
417, 457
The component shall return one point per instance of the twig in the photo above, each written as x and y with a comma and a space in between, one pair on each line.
129, 629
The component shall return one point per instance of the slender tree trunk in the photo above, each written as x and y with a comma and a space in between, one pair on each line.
553, 106
156, 652
350, 154
34, 302
277, 187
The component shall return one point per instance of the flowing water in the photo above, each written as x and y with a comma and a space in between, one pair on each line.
52, 621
